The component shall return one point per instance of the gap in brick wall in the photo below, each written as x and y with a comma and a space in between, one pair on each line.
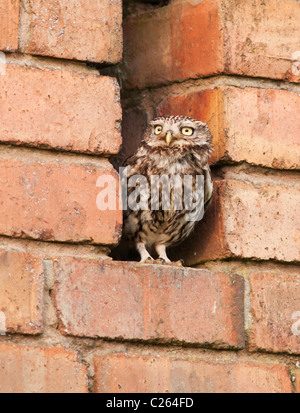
139, 6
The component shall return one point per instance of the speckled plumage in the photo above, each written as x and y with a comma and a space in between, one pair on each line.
170, 152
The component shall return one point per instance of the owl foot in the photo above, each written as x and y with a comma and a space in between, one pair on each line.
144, 254
162, 254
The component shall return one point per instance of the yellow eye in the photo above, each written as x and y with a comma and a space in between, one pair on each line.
187, 131
157, 129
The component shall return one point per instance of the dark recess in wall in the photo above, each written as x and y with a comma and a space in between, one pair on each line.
138, 6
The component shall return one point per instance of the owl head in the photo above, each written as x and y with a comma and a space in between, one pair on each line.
177, 132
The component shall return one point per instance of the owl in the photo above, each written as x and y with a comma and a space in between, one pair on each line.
161, 178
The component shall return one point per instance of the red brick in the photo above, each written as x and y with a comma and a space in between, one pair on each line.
259, 126
124, 373
297, 381
25, 369
262, 378
157, 44
249, 38
88, 31
250, 217
54, 199
205, 39
21, 286
261, 38
9, 24
117, 299
75, 111
275, 311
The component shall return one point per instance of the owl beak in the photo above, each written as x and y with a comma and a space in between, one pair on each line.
169, 138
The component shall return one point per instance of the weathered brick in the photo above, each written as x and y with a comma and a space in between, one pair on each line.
25, 369
169, 44
66, 29
250, 217
275, 311
259, 126
21, 287
126, 373
54, 199
60, 109
262, 38
157, 44
297, 381
9, 23
262, 378
132, 301
122, 373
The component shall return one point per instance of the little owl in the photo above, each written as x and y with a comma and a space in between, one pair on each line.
172, 147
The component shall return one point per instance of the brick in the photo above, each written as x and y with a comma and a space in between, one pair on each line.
158, 44
54, 199
297, 381
126, 373
275, 311
116, 299
21, 286
259, 126
26, 369
75, 111
86, 30
243, 221
121, 373
9, 24
262, 38
155, 44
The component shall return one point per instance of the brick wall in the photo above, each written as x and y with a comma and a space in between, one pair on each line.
72, 319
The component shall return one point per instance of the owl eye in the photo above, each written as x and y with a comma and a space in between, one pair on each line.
187, 131
157, 129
